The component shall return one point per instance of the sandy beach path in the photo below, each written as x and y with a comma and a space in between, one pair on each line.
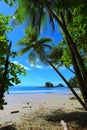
39, 111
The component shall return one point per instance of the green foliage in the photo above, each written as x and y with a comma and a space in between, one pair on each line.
81, 96
73, 82
56, 54
60, 56
14, 70
9, 2
3, 39
78, 30
8, 71
65, 59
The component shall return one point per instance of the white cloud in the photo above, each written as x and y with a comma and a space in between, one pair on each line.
25, 67
37, 66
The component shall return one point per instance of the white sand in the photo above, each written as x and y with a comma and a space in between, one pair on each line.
29, 103
16, 101
32, 108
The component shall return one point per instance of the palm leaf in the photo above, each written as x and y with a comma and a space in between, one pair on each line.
24, 42
24, 50
45, 40
47, 46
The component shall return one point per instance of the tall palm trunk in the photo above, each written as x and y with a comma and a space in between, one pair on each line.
69, 40
3, 81
80, 74
78, 57
69, 86
73, 50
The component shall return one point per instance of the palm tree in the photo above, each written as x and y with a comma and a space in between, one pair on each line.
32, 44
39, 47
38, 9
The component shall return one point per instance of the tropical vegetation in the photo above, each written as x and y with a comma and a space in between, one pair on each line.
71, 19
73, 82
8, 70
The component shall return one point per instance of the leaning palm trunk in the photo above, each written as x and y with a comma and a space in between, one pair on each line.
79, 76
3, 81
72, 48
69, 86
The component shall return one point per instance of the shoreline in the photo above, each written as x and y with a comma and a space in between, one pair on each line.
24, 107
34, 93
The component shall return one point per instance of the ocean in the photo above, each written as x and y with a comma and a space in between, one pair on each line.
35, 89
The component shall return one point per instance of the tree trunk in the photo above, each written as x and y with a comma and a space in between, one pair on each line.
79, 76
3, 82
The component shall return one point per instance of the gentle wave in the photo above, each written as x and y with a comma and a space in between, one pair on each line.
39, 92
44, 91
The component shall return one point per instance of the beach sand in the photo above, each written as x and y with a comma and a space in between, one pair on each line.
48, 111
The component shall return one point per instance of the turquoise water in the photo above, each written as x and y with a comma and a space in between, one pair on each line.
30, 89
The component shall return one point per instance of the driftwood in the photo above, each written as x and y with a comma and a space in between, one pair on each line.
14, 112
72, 98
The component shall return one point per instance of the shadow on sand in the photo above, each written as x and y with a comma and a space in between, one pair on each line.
8, 127
77, 118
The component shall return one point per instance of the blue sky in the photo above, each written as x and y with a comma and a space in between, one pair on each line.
39, 74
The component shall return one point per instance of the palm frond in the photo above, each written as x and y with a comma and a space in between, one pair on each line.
31, 33
56, 54
24, 42
45, 40
20, 14
47, 46
24, 50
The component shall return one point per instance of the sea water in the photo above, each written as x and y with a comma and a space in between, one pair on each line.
35, 89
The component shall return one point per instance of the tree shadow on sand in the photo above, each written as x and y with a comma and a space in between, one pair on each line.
78, 118
8, 127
